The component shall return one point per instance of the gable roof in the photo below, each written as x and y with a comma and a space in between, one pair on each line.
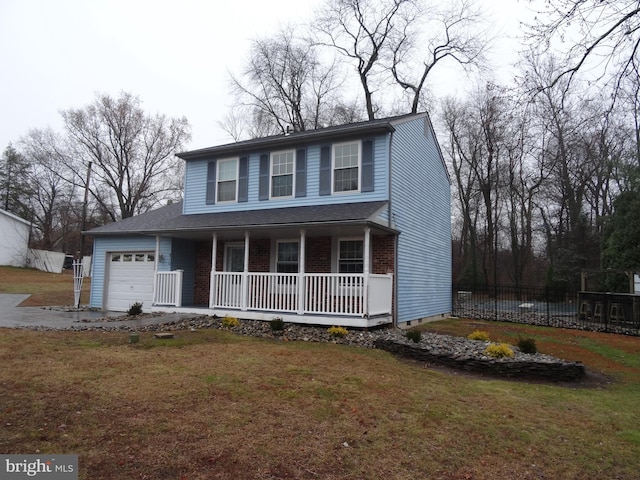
14, 217
170, 220
370, 127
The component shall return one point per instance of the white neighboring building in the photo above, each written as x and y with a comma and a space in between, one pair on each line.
14, 239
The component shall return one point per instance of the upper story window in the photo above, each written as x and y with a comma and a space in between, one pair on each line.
282, 174
346, 167
227, 180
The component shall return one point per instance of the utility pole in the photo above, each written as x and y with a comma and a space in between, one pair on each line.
84, 210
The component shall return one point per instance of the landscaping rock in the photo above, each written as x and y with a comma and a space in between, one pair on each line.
455, 352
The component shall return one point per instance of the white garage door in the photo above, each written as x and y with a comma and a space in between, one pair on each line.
130, 280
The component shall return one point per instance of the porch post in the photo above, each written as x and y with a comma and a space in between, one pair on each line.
301, 271
366, 270
212, 282
245, 273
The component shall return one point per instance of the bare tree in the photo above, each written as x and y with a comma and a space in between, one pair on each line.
629, 111
53, 195
477, 132
563, 119
284, 85
431, 35
462, 155
525, 177
132, 153
603, 35
361, 31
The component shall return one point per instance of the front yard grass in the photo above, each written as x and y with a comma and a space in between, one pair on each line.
210, 404
45, 288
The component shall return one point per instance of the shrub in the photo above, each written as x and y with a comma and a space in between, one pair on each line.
479, 335
337, 331
135, 309
499, 350
277, 324
414, 335
230, 322
527, 345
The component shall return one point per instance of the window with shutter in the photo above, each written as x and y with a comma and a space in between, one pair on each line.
227, 182
346, 167
282, 174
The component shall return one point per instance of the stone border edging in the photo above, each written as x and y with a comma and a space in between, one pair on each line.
556, 371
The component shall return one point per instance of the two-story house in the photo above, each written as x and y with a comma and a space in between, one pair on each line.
346, 225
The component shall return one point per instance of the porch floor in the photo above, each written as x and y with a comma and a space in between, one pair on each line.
306, 319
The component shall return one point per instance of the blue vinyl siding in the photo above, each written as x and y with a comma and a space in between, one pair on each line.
421, 205
163, 262
103, 245
183, 258
196, 184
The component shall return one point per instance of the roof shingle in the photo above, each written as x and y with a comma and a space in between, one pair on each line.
169, 219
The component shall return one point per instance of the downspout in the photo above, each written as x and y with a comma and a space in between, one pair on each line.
394, 301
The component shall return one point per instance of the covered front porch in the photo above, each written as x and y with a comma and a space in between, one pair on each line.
343, 276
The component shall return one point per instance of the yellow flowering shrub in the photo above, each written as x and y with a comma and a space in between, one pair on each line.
479, 335
499, 350
230, 322
337, 331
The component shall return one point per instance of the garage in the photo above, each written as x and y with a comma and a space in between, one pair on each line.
130, 280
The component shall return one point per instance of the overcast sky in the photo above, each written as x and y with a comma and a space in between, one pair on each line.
175, 55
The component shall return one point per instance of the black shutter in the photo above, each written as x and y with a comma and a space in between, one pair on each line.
367, 166
211, 183
301, 172
263, 190
243, 179
325, 170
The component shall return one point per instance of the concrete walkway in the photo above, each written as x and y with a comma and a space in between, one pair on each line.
13, 316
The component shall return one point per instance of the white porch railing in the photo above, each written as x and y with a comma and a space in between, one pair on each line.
335, 294
321, 293
167, 288
273, 292
227, 289
380, 294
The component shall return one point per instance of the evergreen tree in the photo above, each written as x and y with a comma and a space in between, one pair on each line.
622, 236
15, 185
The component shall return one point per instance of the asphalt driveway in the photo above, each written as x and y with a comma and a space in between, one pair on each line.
13, 316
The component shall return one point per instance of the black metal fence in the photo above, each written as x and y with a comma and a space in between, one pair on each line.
605, 312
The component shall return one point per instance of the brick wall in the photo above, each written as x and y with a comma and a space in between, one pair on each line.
318, 255
202, 273
382, 251
259, 255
